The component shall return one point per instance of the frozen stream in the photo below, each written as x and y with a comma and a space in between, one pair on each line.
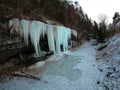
76, 70
63, 68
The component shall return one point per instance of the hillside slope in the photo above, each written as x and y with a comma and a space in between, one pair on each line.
109, 64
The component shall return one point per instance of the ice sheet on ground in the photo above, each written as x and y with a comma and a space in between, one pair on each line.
76, 70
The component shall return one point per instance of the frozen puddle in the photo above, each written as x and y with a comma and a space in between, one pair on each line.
62, 67
77, 70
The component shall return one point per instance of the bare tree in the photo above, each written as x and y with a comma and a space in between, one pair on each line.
103, 18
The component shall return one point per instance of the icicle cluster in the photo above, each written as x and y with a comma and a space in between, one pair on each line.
57, 35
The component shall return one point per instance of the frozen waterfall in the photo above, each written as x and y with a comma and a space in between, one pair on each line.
57, 36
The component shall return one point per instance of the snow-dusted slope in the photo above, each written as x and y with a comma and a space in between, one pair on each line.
109, 60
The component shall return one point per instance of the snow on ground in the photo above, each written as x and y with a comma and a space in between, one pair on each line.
109, 64
73, 2
76, 70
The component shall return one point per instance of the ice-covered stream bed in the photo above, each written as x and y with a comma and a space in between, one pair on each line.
76, 70
63, 68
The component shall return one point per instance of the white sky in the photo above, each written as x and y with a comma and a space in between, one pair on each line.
96, 7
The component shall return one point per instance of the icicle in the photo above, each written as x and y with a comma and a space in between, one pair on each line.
50, 36
35, 32
25, 28
66, 32
57, 39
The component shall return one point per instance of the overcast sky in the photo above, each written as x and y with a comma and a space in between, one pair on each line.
96, 7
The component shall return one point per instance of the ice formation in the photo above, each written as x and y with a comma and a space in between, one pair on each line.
74, 32
15, 26
57, 35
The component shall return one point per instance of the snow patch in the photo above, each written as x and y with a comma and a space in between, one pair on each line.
74, 32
